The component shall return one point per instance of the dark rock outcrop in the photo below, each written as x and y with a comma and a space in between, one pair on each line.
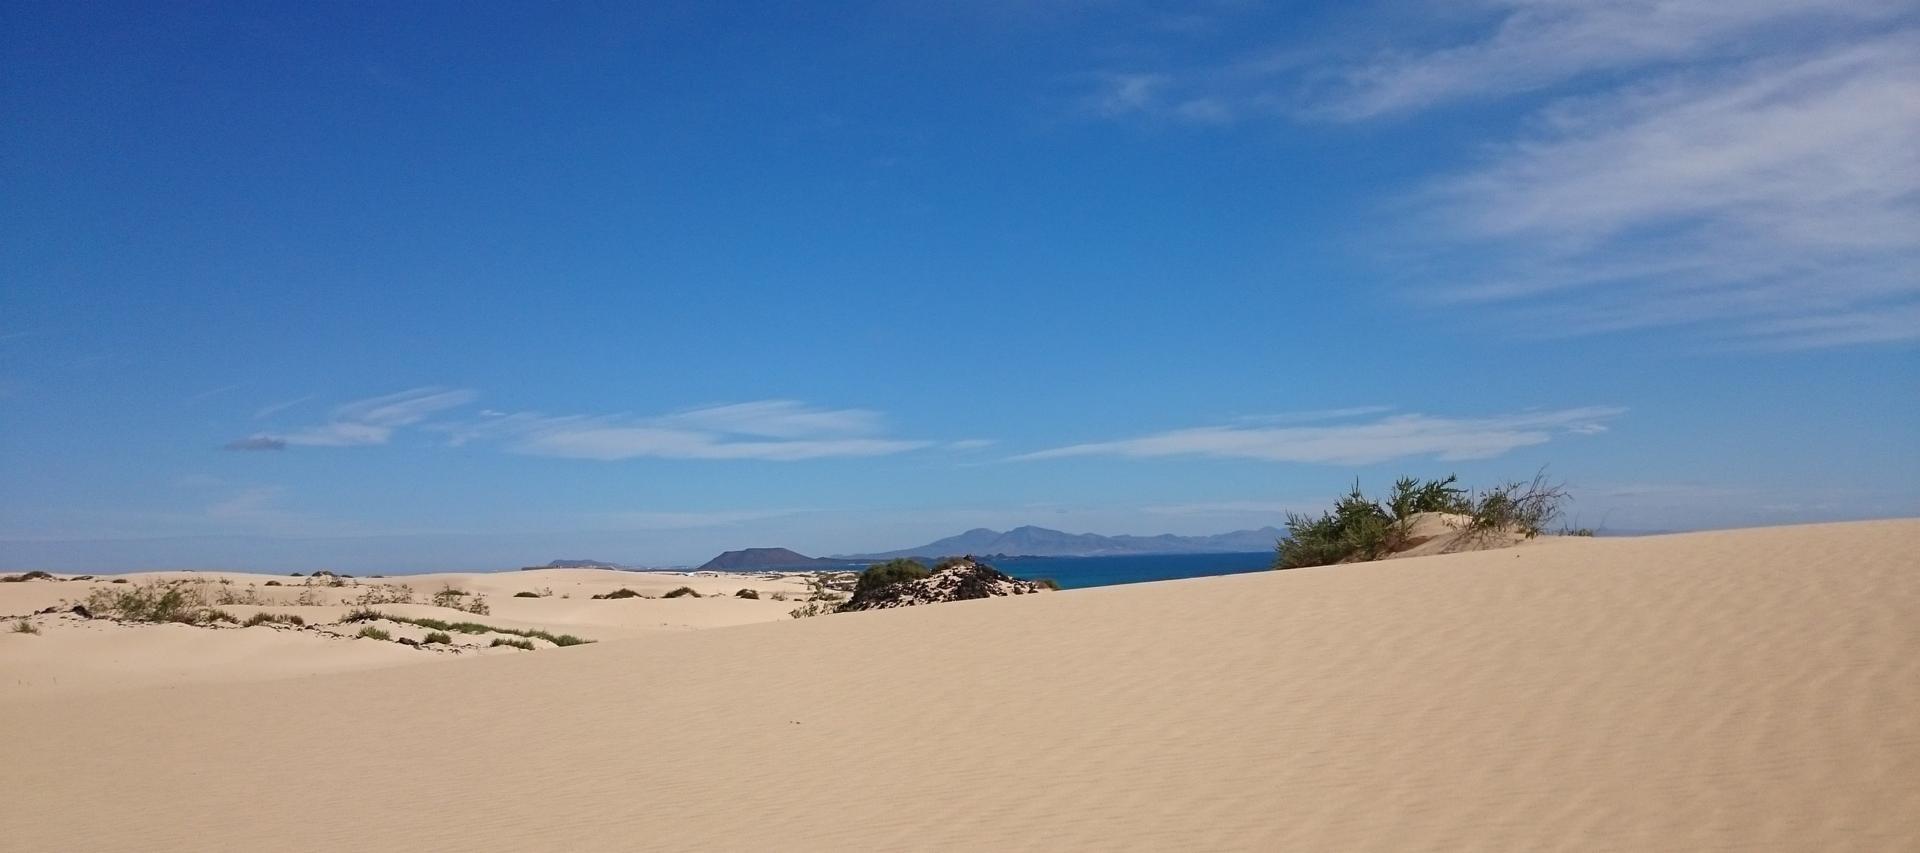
953, 580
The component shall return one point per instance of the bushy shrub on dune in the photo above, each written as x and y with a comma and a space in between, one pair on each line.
889, 573
1359, 528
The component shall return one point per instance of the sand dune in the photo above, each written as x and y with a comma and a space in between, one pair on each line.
77, 655
1734, 690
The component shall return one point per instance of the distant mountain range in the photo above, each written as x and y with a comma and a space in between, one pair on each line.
1033, 541
760, 559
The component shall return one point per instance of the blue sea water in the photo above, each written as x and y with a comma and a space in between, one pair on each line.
1081, 572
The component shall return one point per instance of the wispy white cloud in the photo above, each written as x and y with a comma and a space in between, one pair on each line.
364, 422
780, 430
1358, 443
1534, 44
1777, 202
1312, 415
272, 409
1749, 171
210, 393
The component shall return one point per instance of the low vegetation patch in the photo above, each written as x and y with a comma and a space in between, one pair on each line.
889, 573
747, 593
385, 593
24, 627
1359, 528
373, 633
622, 592
265, 618
364, 615
518, 644
439, 637
29, 576
158, 601
682, 592
821, 599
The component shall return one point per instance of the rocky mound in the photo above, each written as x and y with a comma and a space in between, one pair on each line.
953, 580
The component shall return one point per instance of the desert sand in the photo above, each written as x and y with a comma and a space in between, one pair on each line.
1750, 690
79, 655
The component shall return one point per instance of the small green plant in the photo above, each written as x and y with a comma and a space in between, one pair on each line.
439, 637
747, 593
450, 597
518, 644
779, 596
265, 618
1523, 508
373, 633
478, 606
816, 607
24, 627
682, 592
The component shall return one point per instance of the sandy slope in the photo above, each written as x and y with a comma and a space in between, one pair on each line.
1737, 690
74, 655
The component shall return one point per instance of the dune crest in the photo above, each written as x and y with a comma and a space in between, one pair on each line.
1730, 690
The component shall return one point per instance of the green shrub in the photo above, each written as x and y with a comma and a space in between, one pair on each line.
265, 618
682, 592
1356, 528
1359, 528
1411, 495
747, 593
622, 592
450, 598
156, 601
1049, 583
518, 644
373, 633
887, 574
439, 637
1523, 508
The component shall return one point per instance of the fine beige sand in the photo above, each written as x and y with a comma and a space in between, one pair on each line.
74, 655
1749, 690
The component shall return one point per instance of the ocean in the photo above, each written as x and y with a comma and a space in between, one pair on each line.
1081, 572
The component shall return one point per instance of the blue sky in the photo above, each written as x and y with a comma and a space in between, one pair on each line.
430, 286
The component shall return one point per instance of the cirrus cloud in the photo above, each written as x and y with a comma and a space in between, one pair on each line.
1356, 443
775, 430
